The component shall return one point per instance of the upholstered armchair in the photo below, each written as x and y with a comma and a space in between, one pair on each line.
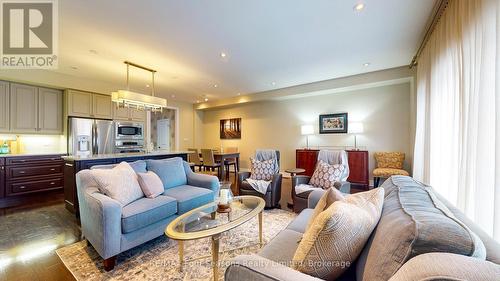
388, 164
300, 199
273, 193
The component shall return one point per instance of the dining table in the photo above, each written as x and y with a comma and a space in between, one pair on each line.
221, 156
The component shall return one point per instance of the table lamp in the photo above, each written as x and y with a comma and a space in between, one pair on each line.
356, 128
307, 130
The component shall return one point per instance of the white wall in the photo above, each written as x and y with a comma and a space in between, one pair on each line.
385, 112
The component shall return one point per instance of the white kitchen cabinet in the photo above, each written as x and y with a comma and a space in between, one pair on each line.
129, 114
90, 105
102, 106
23, 108
4, 106
50, 111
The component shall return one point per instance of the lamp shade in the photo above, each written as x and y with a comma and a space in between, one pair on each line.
307, 130
356, 128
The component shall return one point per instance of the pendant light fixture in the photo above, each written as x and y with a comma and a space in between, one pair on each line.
127, 98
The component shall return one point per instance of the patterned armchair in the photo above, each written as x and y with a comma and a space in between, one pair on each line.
388, 164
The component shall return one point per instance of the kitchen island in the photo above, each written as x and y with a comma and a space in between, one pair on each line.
74, 164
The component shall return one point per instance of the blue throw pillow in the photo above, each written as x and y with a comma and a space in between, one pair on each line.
139, 166
171, 171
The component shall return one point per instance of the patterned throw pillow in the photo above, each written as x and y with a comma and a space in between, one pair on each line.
119, 183
331, 195
326, 175
262, 170
338, 235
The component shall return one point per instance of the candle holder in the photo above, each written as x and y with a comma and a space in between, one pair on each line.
225, 198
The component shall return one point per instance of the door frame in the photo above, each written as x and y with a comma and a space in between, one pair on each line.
148, 126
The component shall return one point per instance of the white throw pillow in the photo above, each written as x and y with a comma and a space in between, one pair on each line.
119, 183
325, 175
338, 235
151, 184
262, 170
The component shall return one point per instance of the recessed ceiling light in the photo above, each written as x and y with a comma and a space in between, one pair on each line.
147, 86
238, 94
206, 99
366, 64
215, 85
223, 55
359, 7
93, 52
197, 101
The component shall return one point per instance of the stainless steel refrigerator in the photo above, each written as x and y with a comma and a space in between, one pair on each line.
88, 137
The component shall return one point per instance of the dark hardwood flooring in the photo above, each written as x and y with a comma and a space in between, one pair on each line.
29, 236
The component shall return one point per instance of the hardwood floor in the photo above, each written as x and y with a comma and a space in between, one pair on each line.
29, 236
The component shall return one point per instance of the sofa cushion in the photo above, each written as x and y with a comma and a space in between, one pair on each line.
189, 197
325, 175
146, 211
119, 183
338, 235
171, 171
150, 183
413, 222
299, 224
138, 166
263, 170
328, 198
446, 266
282, 247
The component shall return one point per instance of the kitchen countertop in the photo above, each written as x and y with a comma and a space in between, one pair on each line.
121, 155
32, 154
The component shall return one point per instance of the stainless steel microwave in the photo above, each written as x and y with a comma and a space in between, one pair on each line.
129, 131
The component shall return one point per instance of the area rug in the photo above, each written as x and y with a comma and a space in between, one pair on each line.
159, 260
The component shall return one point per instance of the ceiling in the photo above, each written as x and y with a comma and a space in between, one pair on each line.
268, 44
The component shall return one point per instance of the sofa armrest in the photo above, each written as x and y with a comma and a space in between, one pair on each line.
447, 266
314, 197
343, 186
205, 181
257, 268
300, 179
243, 176
100, 218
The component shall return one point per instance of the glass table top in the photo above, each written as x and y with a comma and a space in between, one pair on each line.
199, 223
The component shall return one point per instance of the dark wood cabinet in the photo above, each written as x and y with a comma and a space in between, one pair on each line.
358, 165
23, 175
2, 178
358, 169
306, 159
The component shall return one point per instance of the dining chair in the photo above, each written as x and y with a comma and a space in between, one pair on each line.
231, 161
209, 161
194, 157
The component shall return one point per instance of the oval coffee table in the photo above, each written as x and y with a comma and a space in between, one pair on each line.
204, 222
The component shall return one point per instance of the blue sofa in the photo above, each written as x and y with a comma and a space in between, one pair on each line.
112, 228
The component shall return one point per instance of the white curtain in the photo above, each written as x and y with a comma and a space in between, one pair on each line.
457, 145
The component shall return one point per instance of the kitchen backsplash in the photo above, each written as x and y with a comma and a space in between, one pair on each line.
34, 144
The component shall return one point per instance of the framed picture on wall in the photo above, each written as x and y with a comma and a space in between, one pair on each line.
333, 123
230, 128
